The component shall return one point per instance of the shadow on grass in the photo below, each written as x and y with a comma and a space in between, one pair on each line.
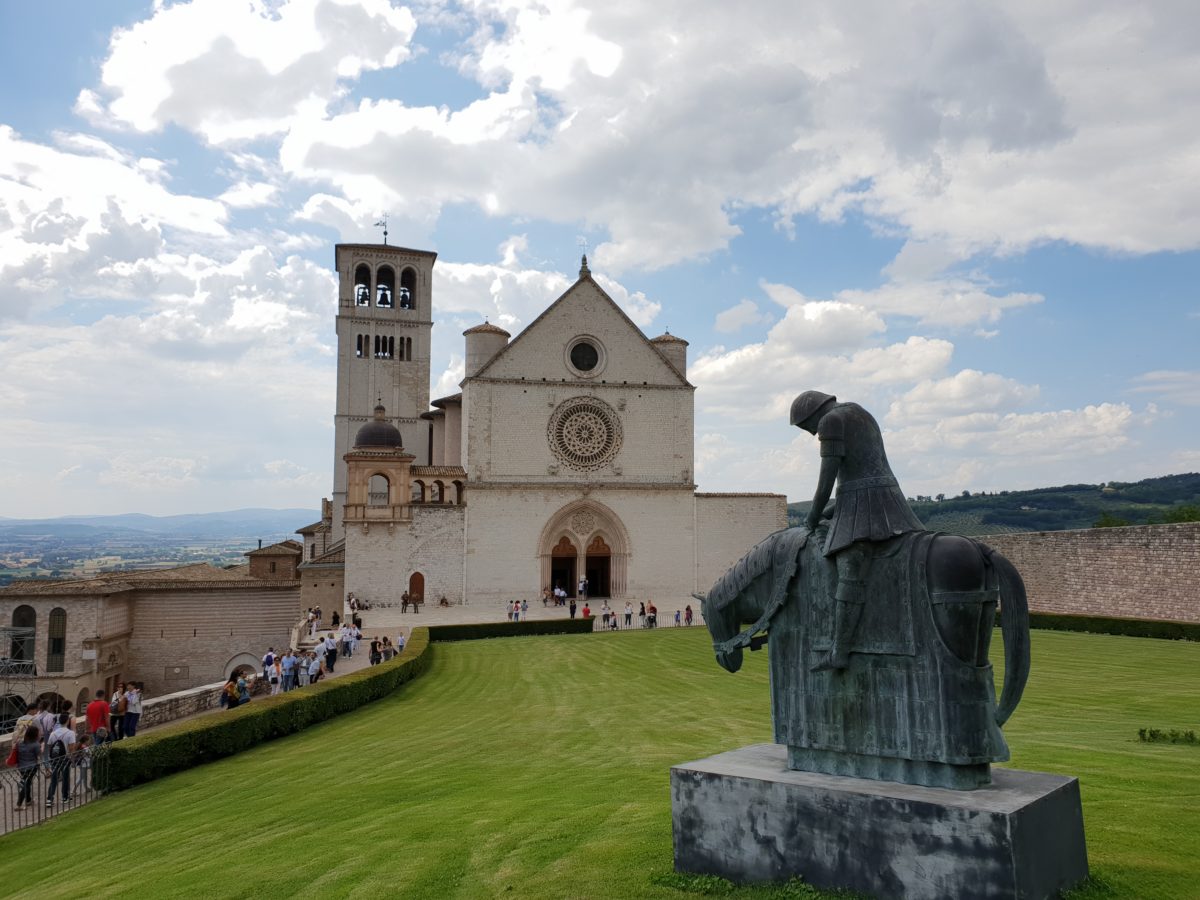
715, 886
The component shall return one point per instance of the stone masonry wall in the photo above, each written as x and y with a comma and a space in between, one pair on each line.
380, 563
324, 588
1143, 572
728, 525
183, 638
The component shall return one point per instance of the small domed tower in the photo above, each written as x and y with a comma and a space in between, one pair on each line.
674, 349
483, 342
378, 476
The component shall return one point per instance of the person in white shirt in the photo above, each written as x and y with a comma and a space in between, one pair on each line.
133, 708
60, 744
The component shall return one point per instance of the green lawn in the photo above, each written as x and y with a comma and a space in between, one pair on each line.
538, 767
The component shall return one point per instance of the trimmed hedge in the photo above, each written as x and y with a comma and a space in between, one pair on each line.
476, 630
188, 744
1151, 628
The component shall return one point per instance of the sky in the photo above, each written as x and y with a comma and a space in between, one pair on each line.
980, 221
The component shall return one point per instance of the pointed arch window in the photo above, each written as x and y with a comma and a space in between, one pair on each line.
56, 645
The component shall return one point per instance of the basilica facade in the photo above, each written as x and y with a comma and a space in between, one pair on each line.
567, 454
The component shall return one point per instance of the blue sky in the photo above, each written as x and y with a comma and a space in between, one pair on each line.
980, 221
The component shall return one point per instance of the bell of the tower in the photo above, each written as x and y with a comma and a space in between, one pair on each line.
384, 321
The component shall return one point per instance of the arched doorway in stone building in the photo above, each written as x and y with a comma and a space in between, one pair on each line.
562, 566
416, 586
585, 537
598, 566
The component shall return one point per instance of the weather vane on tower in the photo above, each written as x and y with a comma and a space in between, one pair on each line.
382, 223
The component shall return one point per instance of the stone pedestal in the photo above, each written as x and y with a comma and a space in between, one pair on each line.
745, 816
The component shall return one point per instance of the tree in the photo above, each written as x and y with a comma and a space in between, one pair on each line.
1176, 514
940, 497
1108, 520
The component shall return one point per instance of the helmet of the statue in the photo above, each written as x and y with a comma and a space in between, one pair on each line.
807, 404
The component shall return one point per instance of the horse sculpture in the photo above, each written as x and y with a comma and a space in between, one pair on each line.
917, 702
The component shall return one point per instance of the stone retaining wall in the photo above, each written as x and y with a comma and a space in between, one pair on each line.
1139, 572
179, 705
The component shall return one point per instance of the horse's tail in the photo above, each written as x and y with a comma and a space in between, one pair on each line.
1014, 625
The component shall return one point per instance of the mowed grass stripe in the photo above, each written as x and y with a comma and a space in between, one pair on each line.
538, 767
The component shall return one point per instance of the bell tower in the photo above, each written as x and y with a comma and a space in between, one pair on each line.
384, 321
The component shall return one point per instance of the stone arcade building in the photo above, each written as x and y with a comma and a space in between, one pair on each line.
170, 628
568, 452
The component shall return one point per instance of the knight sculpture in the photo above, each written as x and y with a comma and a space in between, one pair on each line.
878, 630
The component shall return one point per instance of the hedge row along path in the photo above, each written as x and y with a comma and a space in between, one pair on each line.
538, 767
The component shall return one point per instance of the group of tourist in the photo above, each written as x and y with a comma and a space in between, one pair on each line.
45, 739
281, 671
610, 619
294, 669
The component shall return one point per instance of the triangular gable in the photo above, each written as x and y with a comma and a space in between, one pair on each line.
584, 308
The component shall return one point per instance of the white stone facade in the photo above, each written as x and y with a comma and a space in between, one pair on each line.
569, 451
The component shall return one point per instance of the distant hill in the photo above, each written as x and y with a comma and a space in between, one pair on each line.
238, 523
1055, 508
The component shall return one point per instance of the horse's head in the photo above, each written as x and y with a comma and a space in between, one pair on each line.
722, 625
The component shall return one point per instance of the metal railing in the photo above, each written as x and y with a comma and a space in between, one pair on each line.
32, 796
616, 622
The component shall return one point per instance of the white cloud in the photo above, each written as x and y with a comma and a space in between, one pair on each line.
245, 195
961, 126
967, 391
739, 316
1182, 387
237, 69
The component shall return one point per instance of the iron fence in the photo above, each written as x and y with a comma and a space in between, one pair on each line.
617, 622
34, 795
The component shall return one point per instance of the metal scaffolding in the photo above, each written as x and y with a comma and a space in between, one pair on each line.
18, 673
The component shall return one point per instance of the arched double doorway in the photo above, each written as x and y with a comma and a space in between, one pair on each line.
585, 538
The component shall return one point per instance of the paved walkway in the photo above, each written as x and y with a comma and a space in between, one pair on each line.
390, 621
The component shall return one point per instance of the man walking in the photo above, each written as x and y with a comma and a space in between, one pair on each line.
97, 715
331, 652
59, 748
287, 666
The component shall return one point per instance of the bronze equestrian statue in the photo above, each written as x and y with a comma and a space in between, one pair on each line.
878, 630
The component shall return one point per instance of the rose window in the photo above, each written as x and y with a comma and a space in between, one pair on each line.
585, 433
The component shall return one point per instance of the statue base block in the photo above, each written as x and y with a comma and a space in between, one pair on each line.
744, 815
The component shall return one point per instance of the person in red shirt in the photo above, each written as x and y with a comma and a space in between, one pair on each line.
97, 713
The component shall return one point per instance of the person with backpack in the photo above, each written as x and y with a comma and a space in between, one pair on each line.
59, 747
46, 722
